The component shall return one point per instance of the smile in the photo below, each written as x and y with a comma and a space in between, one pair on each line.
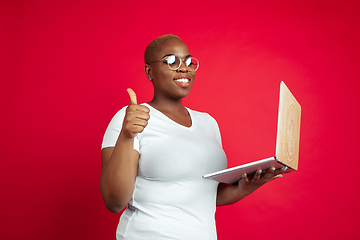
182, 80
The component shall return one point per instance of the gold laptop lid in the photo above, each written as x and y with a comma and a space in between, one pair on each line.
288, 129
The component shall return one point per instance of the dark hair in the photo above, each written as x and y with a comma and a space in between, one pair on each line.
154, 46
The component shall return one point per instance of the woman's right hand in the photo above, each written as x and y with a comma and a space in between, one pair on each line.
136, 117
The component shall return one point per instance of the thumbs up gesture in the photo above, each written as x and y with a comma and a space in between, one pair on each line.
136, 118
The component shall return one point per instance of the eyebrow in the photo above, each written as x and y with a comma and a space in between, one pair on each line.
189, 55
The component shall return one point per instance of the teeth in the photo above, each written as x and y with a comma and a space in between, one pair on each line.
183, 80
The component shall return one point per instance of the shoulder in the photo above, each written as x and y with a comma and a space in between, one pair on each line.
113, 130
118, 118
122, 111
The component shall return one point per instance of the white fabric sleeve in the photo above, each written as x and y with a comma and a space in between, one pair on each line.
218, 134
216, 130
113, 130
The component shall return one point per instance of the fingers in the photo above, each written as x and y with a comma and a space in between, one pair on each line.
254, 177
138, 112
265, 176
270, 173
279, 171
275, 177
259, 178
273, 173
245, 177
133, 101
136, 118
257, 175
132, 96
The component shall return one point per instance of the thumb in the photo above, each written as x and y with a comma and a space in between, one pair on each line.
275, 177
132, 96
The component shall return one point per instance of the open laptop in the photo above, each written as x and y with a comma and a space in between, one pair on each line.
287, 143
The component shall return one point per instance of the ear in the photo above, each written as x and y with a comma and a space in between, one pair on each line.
147, 69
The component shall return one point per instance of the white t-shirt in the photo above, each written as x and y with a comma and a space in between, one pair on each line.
171, 200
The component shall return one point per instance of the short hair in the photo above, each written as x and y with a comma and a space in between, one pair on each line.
154, 46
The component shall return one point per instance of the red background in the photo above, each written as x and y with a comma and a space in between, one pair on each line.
65, 66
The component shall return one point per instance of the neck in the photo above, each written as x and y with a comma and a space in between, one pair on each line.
173, 109
167, 105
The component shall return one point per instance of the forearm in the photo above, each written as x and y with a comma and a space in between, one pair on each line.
229, 194
118, 174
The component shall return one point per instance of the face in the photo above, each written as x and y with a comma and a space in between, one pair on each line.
169, 83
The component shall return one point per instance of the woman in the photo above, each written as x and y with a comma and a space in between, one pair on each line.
154, 155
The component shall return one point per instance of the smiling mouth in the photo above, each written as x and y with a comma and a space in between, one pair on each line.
182, 80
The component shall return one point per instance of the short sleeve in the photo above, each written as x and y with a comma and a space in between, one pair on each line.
216, 130
113, 130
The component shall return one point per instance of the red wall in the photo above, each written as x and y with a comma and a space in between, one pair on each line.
65, 67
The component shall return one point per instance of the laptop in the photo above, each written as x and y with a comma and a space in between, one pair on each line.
287, 143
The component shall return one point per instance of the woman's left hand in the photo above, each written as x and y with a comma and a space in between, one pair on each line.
249, 184
229, 194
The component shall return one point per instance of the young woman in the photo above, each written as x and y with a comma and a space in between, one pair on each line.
155, 154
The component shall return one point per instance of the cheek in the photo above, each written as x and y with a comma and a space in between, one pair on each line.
163, 74
162, 79
193, 75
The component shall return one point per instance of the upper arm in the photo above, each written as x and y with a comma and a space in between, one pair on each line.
118, 176
106, 155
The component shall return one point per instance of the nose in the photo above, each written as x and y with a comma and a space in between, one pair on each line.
182, 67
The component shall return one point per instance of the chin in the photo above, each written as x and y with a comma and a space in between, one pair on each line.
182, 94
